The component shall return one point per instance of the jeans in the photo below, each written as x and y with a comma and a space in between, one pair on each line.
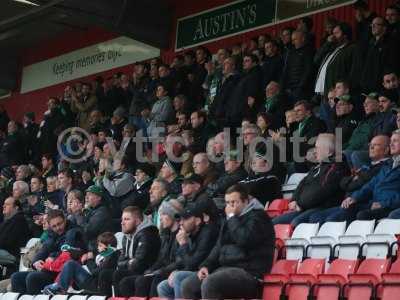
146, 286
73, 272
31, 282
357, 159
223, 283
295, 218
166, 291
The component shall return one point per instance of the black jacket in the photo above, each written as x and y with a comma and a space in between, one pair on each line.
219, 187
245, 241
97, 221
321, 187
265, 187
190, 255
14, 233
272, 69
139, 197
140, 250
347, 123
167, 256
204, 201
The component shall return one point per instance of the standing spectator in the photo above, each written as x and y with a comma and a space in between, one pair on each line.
393, 18
297, 77
306, 24
4, 119
387, 117
83, 105
202, 130
140, 92
162, 112
364, 19
12, 149
30, 132
273, 63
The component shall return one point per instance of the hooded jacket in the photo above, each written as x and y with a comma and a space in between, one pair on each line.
140, 249
97, 221
245, 241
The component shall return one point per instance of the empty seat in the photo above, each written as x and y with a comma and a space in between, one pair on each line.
389, 288
355, 235
63, 297
323, 243
42, 297
299, 284
282, 233
78, 297
99, 298
277, 207
292, 183
10, 296
361, 284
301, 237
274, 282
329, 284
26, 297
378, 244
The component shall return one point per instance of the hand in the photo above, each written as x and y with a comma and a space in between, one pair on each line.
376, 205
229, 209
203, 273
292, 205
49, 260
171, 279
38, 265
250, 101
182, 237
348, 202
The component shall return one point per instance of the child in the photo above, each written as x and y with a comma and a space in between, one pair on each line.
86, 276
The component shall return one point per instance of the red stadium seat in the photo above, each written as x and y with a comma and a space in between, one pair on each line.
282, 232
389, 288
274, 282
277, 207
329, 284
361, 284
300, 284
137, 298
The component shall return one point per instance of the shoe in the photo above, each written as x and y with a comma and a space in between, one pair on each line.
52, 289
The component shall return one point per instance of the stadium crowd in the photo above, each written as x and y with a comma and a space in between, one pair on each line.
192, 215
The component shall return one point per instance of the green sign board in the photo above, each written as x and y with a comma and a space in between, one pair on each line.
222, 21
288, 9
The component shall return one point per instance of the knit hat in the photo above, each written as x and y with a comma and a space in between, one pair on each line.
192, 210
7, 172
147, 168
172, 208
174, 166
95, 189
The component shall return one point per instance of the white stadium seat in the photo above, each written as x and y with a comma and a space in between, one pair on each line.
328, 236
379, 242
301, 237
10, 296
292, 183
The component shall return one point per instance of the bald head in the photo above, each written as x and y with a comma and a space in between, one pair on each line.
324, 146
379, 147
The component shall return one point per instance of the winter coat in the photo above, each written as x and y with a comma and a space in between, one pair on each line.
245, 241
383, 188
83, 109
362, 134
140, 196
14, 233
347, 123
226, 180
161, 115
140, 249
265, 187
97, 221
321, 187
272, 68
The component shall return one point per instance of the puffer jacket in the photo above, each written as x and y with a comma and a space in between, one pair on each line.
245, 241
225, 181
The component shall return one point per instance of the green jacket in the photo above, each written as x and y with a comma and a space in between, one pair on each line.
362, 134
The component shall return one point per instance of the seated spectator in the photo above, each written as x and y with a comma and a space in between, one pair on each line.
65, 184
320, 188
33, 210
234, 172
7, 178
97, 217
158, 195
140, 195
364, 131
202, 130
276, 103
140, 247
170, 172
14, 232
242, 255
20, 191
387, 123
48, 168
118, 121
261, 183
118, 184
76, 204
391, 82
23, 173
32, 282
344, 118
195, 240
86, 276
53, 197
146, 284
380, 196
204, 168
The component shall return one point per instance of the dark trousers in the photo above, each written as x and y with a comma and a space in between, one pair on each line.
146, 286
224, 283
109, 278
31, 282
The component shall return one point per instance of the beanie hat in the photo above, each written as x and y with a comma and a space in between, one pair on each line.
172, 208
7, 172
147, 168
174, 166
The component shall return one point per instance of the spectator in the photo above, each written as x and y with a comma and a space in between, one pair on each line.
202, 130
261, 183
298, 72
118, 122
97, 216
14, 232
140, 247
170, 172
203, 167
194, 238
247, 96
273, 63
37, 185
393, 19
12, 147
344, 119
76, 204
32, 282
286, 42
4, 119
48, 168
162, 112
244, 250
54, 198
158, 195
380, 55
276, 103
83, 105
364, 18
65, 181
23, 173
377, 198
320, 188
30, 132
145, 285
387, 123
